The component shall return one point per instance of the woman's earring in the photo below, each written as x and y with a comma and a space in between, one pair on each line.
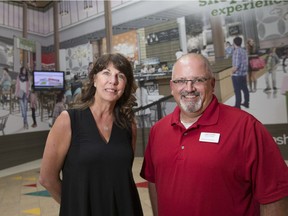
95, 84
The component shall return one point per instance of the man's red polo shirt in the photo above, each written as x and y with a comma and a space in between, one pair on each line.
225, 164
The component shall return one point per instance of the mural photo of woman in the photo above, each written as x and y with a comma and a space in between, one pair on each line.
22, 93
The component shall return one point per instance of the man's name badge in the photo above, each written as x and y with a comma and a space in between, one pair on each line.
209, 137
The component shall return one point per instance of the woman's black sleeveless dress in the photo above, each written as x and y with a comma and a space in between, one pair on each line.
97, 176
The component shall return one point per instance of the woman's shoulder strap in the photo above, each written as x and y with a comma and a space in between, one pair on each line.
72, 114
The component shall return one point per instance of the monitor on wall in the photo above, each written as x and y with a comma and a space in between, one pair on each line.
48, 80
234, 30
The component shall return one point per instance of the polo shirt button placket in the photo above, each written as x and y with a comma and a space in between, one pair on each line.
183, 146
181, 152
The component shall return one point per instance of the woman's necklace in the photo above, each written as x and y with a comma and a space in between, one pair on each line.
106, 128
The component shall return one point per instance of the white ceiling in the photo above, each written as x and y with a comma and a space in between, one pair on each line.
134, 15
162, 11
155, 12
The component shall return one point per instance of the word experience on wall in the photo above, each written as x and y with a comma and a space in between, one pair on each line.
228, 7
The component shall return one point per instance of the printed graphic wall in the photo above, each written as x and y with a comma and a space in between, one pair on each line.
270, 107
272, 22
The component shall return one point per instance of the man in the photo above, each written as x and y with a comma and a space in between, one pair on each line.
239, 73
208, 158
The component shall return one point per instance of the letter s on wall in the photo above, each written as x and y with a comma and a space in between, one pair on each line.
202, 3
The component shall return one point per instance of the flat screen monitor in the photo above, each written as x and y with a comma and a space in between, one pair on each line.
48, 80
234, 30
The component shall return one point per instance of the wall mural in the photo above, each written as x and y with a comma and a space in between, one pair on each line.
125, 43
77, 59
272, 22
270, 107
6, 55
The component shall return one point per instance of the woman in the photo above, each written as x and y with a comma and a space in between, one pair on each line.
93, 145
272, 61
59, 106
251, 51
22, 92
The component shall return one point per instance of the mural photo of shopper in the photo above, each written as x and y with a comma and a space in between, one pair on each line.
22, 93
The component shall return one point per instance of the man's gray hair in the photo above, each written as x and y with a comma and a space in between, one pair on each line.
206, 62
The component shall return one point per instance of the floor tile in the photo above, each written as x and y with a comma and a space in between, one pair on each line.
22, 195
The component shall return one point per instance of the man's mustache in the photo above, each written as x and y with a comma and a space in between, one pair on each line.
194, 93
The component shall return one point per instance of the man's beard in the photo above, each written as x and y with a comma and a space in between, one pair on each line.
191, 106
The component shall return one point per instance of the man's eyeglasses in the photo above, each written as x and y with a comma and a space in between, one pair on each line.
196, 81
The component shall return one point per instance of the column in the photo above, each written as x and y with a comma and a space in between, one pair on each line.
217, 37
249, 25
182, 34
24, 34
16, 56
96, 46
38, 51
108, 25
56, 34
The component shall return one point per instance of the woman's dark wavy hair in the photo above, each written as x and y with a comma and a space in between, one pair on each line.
123, 111
22, 76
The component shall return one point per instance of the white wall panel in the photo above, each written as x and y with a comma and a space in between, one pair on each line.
10, 15
30, 21
1, 13
41, 22
50, 20
82, 13
100, 6
45, 22
74, 16
20, 18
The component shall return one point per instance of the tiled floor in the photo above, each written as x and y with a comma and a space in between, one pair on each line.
21, 194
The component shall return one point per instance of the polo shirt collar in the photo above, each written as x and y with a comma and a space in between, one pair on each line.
209, 116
